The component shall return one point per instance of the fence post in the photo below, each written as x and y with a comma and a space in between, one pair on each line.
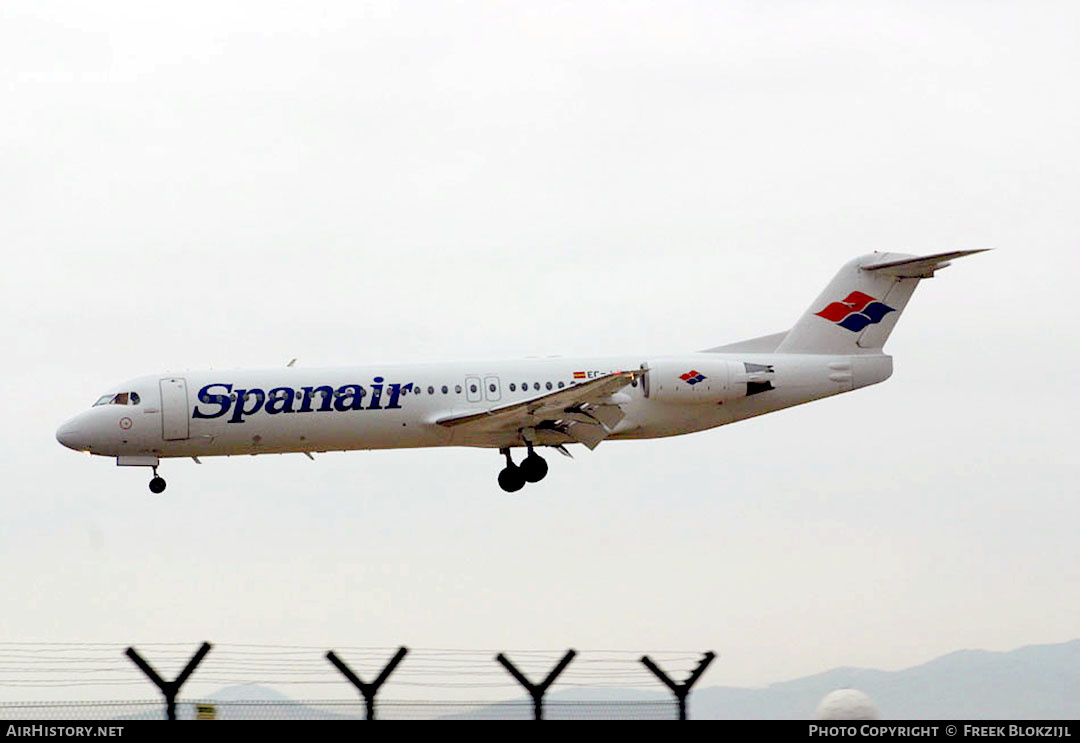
537, 691
169, 688
681, 691
368, 691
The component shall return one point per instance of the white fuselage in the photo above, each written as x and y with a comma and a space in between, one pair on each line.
835, 346
296, 409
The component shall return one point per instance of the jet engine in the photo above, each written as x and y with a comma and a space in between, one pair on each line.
698, 380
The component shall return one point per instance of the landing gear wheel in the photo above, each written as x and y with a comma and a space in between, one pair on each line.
533, 468
511, 479
157, 485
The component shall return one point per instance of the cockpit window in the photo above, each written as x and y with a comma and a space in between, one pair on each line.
119, 398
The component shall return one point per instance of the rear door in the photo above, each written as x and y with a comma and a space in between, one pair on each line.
174, 409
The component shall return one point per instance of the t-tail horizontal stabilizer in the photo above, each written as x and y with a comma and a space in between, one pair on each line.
919, 268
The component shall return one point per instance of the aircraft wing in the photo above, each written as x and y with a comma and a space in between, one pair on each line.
585, 413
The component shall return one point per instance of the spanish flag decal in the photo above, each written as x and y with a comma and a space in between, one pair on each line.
579, 375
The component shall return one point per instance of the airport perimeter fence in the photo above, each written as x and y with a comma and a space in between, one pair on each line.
524, 677
338, 710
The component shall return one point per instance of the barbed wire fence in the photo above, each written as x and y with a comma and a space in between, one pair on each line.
340, 710
298, 682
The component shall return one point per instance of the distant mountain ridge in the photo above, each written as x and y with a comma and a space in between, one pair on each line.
1033, 682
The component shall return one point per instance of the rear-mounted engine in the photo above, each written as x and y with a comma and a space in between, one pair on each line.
698, 380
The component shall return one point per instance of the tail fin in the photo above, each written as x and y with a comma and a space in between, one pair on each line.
860, 306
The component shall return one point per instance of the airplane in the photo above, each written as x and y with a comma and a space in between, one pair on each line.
835, 347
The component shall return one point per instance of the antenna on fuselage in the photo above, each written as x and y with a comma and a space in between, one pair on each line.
291, 362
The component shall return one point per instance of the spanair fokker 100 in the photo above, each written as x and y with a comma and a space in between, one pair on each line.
836, 346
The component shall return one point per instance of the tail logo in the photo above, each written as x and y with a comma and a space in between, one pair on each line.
856, 312
692, 377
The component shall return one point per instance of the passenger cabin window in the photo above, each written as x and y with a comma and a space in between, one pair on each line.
549, 385
561, 385
431, 390
457, 388
445, 389
513, 387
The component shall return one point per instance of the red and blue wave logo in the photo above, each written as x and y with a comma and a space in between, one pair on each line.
692, 377
856, 311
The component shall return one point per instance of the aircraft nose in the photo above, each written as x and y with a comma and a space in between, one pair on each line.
70, 436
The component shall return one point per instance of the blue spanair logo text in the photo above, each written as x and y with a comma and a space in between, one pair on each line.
219, 398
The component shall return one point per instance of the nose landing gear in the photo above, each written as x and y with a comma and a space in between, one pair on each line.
157, 484
513, 477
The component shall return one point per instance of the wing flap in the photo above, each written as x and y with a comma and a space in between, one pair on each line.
608, 415
590, 434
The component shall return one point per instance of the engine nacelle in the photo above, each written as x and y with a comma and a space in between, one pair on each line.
698, 380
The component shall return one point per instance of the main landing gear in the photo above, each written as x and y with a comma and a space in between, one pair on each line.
513, 477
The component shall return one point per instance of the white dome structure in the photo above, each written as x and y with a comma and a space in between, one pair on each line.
847, 704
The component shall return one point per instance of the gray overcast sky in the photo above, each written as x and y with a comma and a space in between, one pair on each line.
237, 184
